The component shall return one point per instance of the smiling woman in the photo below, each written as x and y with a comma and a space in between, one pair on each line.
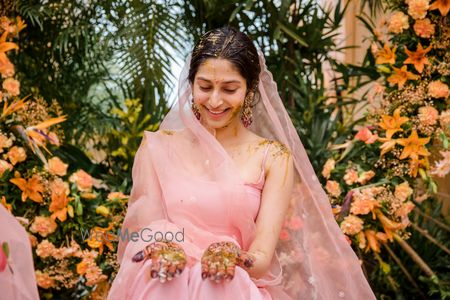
227, 167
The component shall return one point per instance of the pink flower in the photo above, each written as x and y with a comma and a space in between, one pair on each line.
351, 225
418, 8
351, 176
284, 235
43, 225
428, 115
54, 140
398, 22
83, 180
366, 136
333, 188
438, 89
424, 28
12, 86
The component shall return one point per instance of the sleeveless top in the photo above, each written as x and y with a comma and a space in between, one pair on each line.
255, 188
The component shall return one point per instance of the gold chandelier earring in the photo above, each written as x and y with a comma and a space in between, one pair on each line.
195, 110
247, 114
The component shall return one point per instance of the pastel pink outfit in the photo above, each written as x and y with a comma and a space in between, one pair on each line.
196, 210
190, 284
185, 181
17, 280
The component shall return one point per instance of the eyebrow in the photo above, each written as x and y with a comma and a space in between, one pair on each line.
229, 81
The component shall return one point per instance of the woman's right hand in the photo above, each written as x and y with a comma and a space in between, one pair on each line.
168, 259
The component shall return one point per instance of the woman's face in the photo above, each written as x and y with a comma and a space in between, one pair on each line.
219, 91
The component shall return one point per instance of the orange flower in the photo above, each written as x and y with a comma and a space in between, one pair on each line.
83, 180
59, 192
43, 225
351, 225
442, 5
101, 237
6, 205
388, 145
44, 280
12, 86
5, 142
372, 240
15, 106
400, 77
417, 58
30, 189
424, 28
57, 167
386, 55
438, 89
393, 123
82, 268
4, 165
16, 154
418, 8
5, 47
413, 146
398, 22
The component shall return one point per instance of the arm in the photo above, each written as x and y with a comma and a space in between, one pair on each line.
274, 204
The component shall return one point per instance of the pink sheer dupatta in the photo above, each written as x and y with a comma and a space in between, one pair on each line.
184, 162
17, 280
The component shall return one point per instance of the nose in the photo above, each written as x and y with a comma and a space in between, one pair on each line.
215, 100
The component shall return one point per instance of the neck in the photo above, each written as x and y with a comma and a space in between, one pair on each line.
228, 134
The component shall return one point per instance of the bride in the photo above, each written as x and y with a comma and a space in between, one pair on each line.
225, 203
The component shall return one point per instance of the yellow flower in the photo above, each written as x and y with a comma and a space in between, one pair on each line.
417, 58
102, 210
392, 124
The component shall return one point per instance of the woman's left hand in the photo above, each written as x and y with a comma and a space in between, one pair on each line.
220, 259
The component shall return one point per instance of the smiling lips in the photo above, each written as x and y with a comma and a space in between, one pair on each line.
217, 114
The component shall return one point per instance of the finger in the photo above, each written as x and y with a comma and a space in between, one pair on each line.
220, 273
230, 272
138, 256
179, 267
205, 269
171, 271
162, 273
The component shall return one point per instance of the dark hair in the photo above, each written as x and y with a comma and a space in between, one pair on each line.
231, 44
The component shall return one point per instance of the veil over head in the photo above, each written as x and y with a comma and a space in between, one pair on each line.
313, 261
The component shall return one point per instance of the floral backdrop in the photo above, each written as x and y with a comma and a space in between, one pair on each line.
69, 215
377, 178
